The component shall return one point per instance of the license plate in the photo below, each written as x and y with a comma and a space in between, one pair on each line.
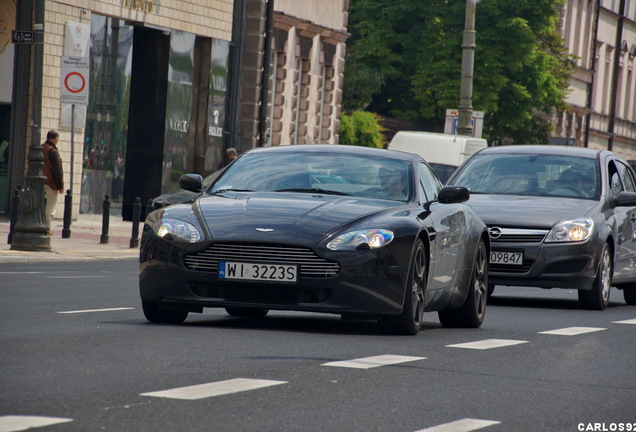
507, 258
258, 271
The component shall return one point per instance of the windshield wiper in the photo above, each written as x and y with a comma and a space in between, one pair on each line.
312, 190
231, 190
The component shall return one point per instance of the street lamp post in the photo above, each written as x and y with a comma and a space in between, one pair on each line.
32, 225
465, 111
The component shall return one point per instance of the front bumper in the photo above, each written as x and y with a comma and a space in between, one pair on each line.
548, 265
368, 282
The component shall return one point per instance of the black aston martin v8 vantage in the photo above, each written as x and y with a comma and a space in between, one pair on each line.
354, 231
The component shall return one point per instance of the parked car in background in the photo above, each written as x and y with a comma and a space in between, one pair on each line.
443, 152
182, 195
355, 231
558, 217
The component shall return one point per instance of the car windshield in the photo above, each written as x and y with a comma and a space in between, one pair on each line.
531, 174
311, 172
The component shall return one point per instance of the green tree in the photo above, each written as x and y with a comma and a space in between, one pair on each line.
405, 61
361, 129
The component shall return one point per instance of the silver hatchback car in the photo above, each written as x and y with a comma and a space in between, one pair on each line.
558, 217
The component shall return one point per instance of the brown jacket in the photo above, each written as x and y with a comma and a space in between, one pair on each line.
52, 166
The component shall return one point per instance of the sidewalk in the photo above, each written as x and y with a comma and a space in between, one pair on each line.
83, 244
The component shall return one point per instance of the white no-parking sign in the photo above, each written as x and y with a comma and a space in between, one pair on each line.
74, 80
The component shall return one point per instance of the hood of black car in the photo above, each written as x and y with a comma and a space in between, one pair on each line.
273, 217
527, 211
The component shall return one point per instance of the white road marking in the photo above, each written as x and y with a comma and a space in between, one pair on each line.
219, 388
76, 277
96, 310
463, 425
487, 344
375, 361
629, 321
14, 423
572, 331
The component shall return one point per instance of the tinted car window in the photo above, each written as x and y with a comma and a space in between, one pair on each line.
628, 177
429, 182
529, 174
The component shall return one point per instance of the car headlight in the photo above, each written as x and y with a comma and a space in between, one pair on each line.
177, 229
363, 239
575, 230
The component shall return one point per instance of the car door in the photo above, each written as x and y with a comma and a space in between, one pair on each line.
625, 222
447, 228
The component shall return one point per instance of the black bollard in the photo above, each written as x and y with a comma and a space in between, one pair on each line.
68, 207
15, 208
103, 239
134, 240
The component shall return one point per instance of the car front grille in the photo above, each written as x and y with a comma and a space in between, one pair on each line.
515, 235
310, 265
504, 268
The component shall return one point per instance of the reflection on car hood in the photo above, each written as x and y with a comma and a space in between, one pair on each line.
281, 217
527, 211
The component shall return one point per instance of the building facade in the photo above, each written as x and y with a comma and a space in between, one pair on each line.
172, 84
602, 100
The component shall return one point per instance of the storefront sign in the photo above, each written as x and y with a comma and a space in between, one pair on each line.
140, 5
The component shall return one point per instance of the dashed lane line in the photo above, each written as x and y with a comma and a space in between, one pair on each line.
372, 362
629, 321
219, 388
15, 423
96, 310
487, 344
572, 331
463, 425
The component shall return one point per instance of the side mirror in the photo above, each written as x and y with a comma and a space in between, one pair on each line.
624, 199
191, 182
453, 195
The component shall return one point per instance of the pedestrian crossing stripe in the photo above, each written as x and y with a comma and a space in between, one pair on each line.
372, 362
219, 388
572, 331
487, 344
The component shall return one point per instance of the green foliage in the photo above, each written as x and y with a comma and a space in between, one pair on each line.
404, 61
361, 129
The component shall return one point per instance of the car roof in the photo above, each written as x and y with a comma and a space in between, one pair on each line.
583, 152
339, 149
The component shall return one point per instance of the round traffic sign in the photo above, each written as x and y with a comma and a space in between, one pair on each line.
75, 82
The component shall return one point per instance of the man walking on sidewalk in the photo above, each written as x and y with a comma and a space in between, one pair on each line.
52, 170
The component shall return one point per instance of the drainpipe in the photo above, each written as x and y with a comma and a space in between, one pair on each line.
238, 25
617, 59
590, 90
265, 79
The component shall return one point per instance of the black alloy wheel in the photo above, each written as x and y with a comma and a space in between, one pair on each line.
471, 314
409, 321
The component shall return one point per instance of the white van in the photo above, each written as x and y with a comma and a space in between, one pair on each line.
444, 152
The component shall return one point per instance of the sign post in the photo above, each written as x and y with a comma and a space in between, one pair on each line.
73, 90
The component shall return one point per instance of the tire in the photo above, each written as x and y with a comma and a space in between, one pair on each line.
471, 314
409, 321
630, 295
598, 297
155, 314
246, 312
491, 289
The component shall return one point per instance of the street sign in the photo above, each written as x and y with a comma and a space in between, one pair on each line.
74, 80
476, 121
21, 37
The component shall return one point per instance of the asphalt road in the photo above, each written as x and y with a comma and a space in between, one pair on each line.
77, 355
